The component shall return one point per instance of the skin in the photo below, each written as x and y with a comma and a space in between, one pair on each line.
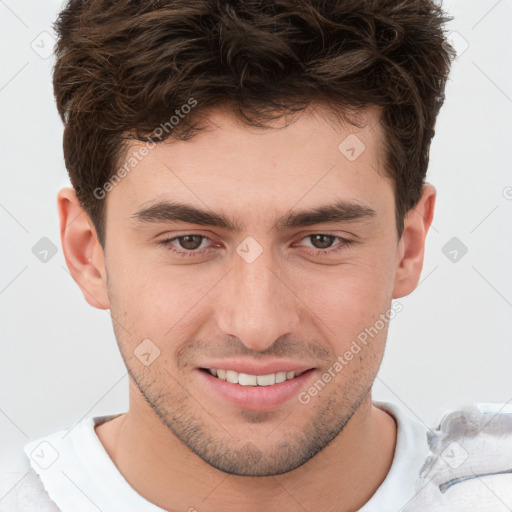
183, 447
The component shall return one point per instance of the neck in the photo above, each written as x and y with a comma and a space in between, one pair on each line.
342, 477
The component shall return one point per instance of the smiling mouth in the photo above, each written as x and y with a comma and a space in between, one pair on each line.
246, 379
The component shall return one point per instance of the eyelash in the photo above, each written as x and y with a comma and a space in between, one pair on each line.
168, 244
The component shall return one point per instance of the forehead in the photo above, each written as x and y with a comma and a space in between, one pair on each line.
308, 160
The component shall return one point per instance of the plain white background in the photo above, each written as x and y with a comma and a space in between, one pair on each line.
450, 346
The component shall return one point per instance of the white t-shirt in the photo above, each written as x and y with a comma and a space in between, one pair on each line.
70, 471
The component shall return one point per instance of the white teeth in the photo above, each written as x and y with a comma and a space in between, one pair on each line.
232, 376
280, 377
245, 379
266, 380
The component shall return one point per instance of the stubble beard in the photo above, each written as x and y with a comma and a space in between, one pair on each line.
220, 448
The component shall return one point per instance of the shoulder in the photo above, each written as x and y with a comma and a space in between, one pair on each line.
470, 461
31, 473
22, 490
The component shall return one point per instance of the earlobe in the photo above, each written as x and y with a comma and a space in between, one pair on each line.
411, 249
82, 250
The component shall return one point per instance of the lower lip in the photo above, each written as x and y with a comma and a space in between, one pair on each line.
256, 398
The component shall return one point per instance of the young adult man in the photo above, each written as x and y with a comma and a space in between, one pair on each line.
248, 200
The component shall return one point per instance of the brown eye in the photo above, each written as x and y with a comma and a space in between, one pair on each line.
322, 241
188, 245
190, 242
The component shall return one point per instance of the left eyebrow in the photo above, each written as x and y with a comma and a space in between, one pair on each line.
340, 211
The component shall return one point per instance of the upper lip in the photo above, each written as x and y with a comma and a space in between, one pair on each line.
253, 368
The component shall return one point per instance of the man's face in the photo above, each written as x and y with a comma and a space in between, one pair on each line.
280, 293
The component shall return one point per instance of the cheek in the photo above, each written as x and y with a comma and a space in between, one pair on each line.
162, 303
349, 297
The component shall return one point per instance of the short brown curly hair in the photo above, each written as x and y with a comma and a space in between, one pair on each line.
124, 66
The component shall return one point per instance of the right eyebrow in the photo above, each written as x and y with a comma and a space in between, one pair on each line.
179, 212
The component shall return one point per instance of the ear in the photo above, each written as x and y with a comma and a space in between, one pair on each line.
83, 252
411, 247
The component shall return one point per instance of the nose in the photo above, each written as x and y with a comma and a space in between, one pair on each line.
257, 304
